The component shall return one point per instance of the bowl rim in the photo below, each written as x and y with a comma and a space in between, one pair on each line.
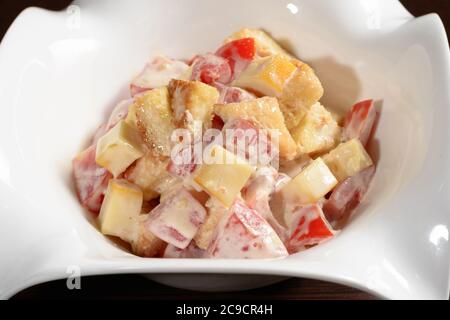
206, 266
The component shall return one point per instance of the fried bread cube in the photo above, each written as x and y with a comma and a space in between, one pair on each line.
348, 159
317, 132
152, 115
265, 114
301, 92
145, 243
150, 174
192, 101
206, 231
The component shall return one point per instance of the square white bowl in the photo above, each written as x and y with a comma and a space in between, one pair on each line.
61, 71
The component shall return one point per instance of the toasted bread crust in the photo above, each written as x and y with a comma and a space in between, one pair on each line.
264, 113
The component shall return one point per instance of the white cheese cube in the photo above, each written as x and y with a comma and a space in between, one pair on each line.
314, 182
224, 178
120, 210
119, 148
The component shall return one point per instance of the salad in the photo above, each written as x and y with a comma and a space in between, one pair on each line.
227, 155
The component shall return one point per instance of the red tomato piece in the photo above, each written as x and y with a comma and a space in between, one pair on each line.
244, 233
181, 171
359, 121
348, 194
239, 54
308, 227
217, 123
185, 160
258, 192
233, 94
244, 139
177, 218
211, 69
91, 180
182, 167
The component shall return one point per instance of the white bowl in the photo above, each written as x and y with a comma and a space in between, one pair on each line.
61, 71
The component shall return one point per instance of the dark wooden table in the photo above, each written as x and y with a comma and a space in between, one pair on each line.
135, 286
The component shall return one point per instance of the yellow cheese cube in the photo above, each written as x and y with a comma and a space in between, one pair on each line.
120, 210
152, 116
224, 177
192, 101
264, 113
265, 44
314, 182
317, 132
301, 92
267, 76
348, 159
119, 148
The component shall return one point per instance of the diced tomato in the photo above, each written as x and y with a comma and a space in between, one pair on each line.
244, 48
210, 69
359, 121
91, 180
244, 139
348, 194
308, 227
185, 162
183, 170
233, 94
244, 233
177, 218
239, 54
255, 223
261, 186
217, 123
258, 193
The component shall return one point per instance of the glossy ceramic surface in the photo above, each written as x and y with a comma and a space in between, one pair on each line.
61, 71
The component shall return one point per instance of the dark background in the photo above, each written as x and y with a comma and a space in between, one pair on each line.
135, 286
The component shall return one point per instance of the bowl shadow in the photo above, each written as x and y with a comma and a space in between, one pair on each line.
340, 82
